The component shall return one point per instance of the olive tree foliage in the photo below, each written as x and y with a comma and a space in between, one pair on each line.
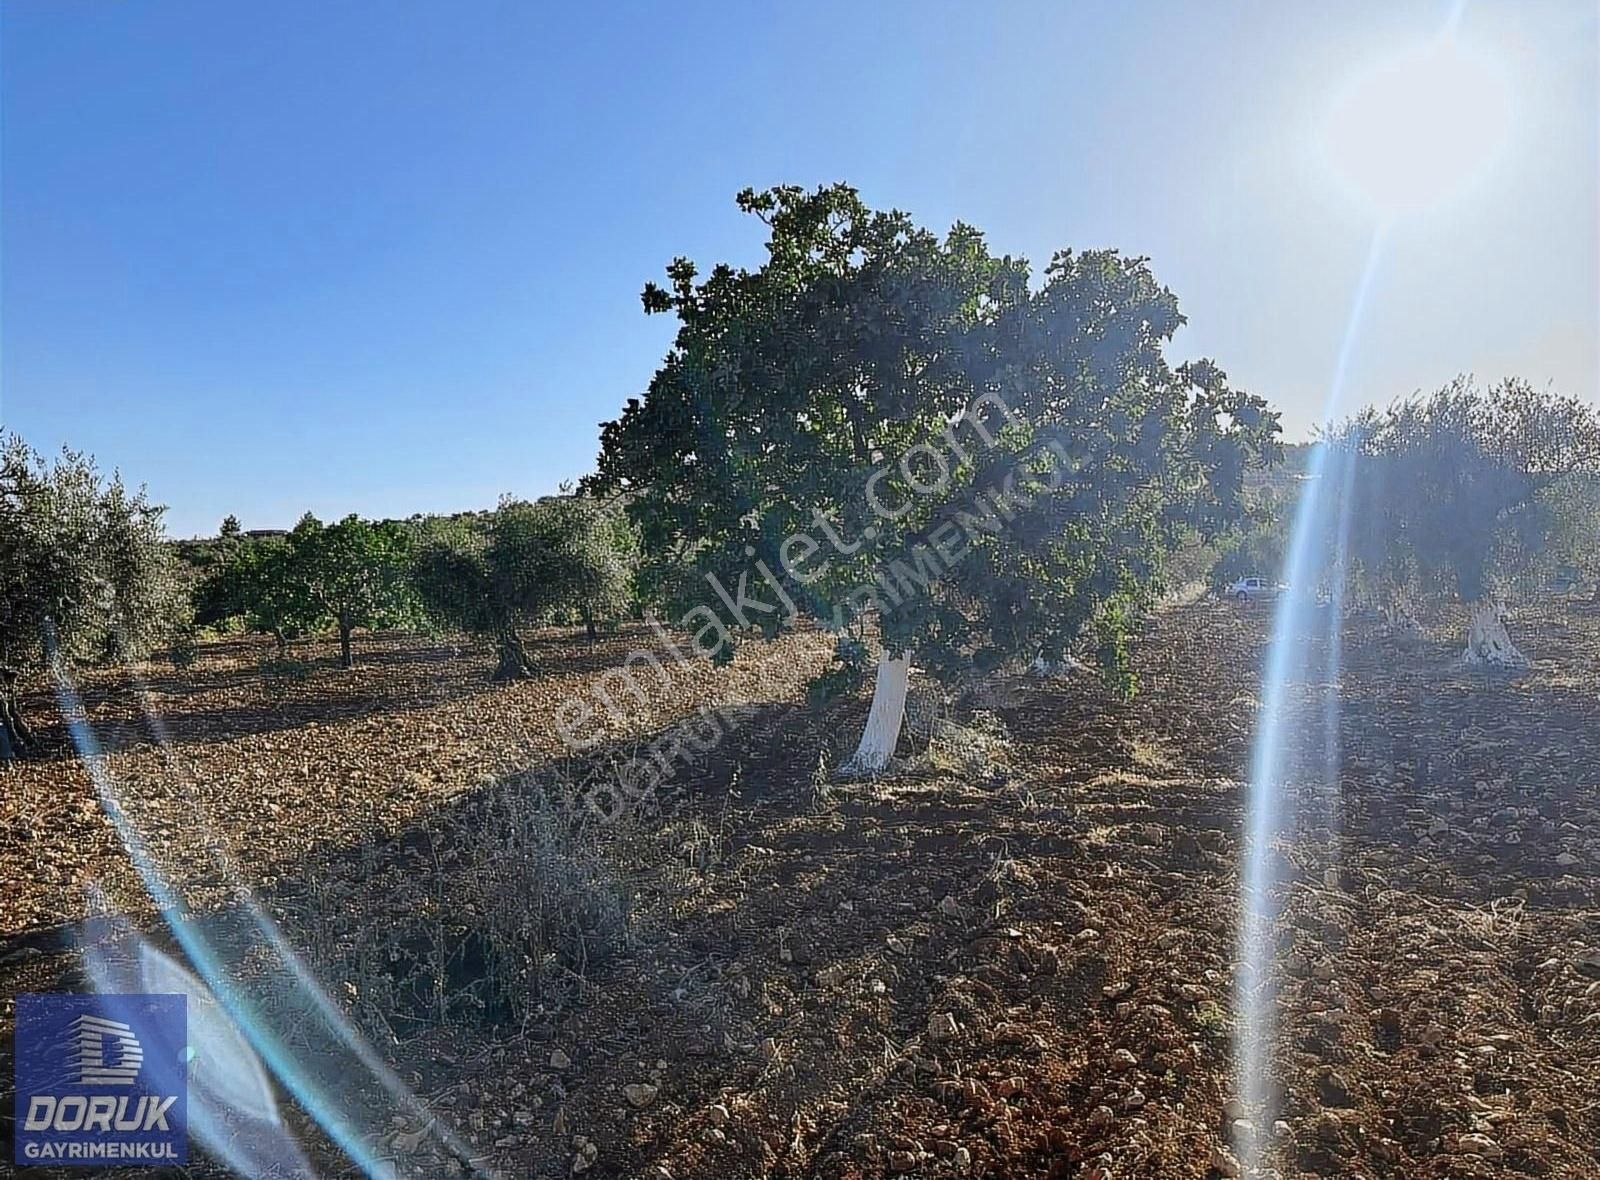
85, 573
583, 553
523, 564
1572, 506
885, 428
1459, 494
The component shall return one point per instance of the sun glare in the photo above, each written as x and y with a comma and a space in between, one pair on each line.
1418, 127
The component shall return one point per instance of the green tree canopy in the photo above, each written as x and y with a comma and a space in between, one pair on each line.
525, 563
883, 423
1455, 493
351, 574
85, 571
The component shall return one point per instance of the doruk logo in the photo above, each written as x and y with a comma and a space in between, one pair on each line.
101, 1079
95, 1065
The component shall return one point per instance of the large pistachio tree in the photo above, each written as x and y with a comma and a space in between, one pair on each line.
917, 442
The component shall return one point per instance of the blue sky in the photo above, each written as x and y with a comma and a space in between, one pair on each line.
386, 258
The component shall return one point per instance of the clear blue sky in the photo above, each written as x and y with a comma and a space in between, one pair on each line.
386, 257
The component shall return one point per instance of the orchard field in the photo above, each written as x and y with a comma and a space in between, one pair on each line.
1014, 956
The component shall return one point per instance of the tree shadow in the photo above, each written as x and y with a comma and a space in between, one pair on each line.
324, 900
241, 687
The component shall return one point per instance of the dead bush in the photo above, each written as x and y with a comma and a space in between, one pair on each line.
496, 916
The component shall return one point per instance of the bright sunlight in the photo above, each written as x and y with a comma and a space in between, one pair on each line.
1418, 127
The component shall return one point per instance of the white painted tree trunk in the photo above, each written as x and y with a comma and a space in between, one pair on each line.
884, 718
1488, 643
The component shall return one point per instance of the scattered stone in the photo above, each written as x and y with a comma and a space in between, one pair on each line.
950, 907
1102, 1117
585, 1154
1224, 1163
1011, 1034
1010, 1087
1334, 1090
1233, 1110
1481, 1145
833, 974
559, 1060
962, 1159
1123, 1060
720, 1115
640, 1094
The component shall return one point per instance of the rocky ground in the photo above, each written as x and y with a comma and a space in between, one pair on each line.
1013, 958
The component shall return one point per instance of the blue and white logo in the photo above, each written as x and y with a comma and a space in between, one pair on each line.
117, 1067
101, 1079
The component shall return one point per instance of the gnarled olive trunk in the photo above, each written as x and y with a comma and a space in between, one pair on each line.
515, 662
1488, 642
346, 656
16, 739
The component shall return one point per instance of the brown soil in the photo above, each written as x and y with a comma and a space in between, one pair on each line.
1020, 966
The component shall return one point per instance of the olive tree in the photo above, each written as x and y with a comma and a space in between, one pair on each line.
1572, 506
1455, 495
521, 564
579, 558
86, 573
898, 432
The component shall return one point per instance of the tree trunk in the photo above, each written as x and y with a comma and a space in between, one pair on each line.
515, 662
588, 625
884, 718
16, 739
346, 657
1488, 643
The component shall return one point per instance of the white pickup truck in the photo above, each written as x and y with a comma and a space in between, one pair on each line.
1247, 588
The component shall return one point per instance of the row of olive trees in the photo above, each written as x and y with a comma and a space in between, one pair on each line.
85, 573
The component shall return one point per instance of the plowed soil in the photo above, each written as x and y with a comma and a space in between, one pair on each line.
1014, 957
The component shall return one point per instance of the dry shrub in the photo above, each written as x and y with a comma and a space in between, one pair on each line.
495, 916
978, 748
